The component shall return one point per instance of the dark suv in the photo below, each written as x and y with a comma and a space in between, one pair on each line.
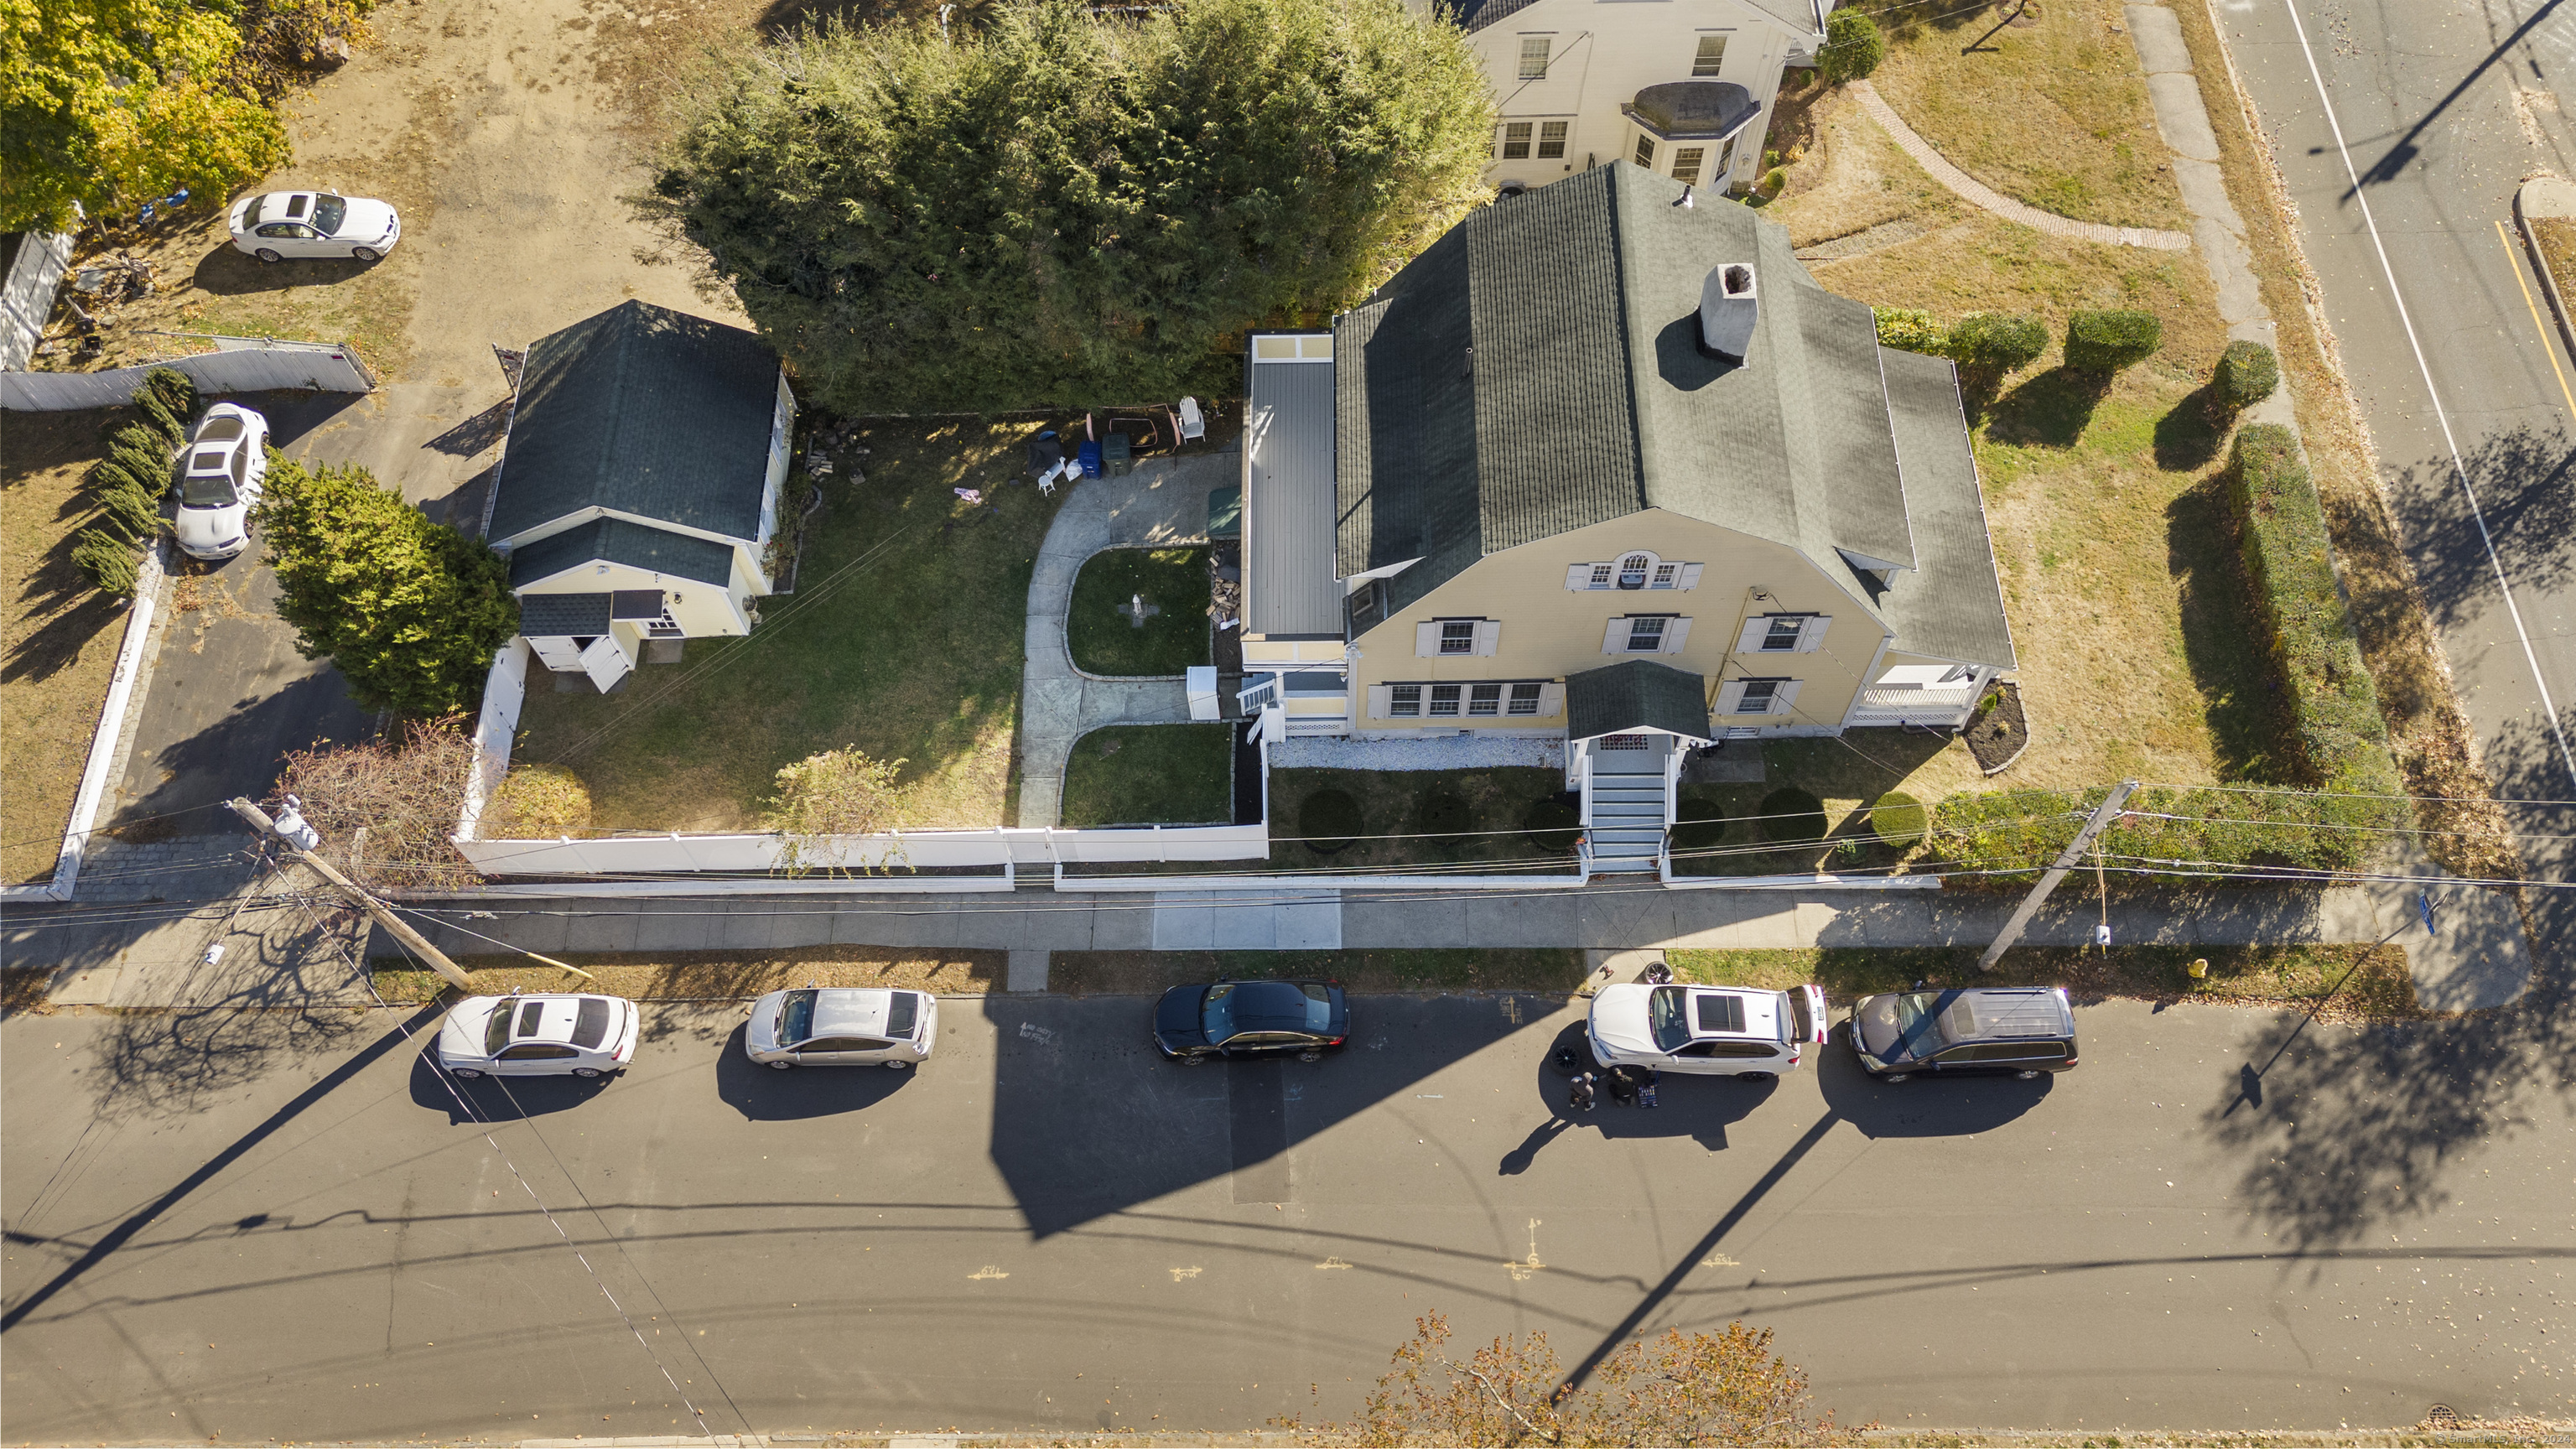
2025, 1030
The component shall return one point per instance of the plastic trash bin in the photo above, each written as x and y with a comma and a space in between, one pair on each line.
1115, 455
1090, 459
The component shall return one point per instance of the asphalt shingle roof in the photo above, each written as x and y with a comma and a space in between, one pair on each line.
1950, 605
644, 411
1632, 695
615, 540
547, 616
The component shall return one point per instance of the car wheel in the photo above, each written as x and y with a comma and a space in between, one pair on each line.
585, 1071
1896, 1076
1311, 1054
1759, 1079
366, 254
268, 254
782, 1066
1194, 1059
897, 1066
468, 1073
2028, 1076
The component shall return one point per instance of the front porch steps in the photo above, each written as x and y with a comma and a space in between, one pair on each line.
1627, 812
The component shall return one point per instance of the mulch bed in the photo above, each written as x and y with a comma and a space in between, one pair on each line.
1998, 736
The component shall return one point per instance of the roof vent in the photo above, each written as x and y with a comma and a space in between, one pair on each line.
1727, 309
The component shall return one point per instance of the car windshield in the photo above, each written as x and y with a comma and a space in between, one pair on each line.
496, 1035
796, 1018
328, 213
1668, 1018
1254, 1006
210, 490
1216, 1011
903, 1014
1907, 1024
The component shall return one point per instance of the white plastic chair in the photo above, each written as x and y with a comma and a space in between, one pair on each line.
1192, 424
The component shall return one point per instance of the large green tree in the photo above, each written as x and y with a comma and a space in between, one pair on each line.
112, 103
411, 611
1064, 207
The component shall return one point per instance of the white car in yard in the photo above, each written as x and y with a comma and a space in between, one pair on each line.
842, 1026
538, 1036
1727, 1031
284, 224
219, 481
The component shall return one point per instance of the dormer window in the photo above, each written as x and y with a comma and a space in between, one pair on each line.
1641, 569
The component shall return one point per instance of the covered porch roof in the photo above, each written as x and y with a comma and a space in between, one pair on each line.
1694, 110
1636, 696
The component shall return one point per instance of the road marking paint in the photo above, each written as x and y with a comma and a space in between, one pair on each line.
1512, 1010
1331, 1263
1183, 1275
987, 1274
1522, 1271
1719, 1260
2548, 344
2459, 469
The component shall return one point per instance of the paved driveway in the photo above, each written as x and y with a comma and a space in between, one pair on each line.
2208, 1223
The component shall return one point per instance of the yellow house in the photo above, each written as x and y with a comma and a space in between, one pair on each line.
1605, 464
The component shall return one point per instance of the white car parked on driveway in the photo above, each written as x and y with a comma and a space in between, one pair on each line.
842, 1026
1727, 1031
538, 1036
219, 481
284, 224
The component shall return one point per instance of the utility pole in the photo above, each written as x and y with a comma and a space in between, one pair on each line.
2108, 811
376, 910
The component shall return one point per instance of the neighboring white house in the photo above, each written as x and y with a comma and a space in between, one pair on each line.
639, 487
1680, 87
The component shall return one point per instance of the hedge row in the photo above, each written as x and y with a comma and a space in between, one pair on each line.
2023, 830
2281, 528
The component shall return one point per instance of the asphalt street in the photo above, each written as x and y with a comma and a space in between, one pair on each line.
2444, 108
2217, 1219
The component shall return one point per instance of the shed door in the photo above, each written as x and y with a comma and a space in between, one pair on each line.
557, 652
605, 662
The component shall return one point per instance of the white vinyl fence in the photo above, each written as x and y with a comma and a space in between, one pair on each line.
27, 293
253, 366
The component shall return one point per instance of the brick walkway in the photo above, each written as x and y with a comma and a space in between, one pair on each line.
1977, 193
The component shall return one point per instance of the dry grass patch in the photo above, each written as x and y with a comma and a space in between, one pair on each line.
2053, 110
1848, 176
1150, 973
913, 654
708, 975
2365, 983
61, 636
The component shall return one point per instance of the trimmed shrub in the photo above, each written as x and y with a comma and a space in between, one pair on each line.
2109, 341
2281, 529
177, 391
1328, 819
1553, 824
141, 452
168, 424
2247, 373
132, 511
1774, 179
107, 474
2017, 833
1997, 342
1898, 819
1699, 825
1910, 329
1442, 817
1792, 816
107, 561
1852, 49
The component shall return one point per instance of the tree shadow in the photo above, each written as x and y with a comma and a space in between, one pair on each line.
2527, 493
2189, 433
2224, 636
2048, 409
56, 644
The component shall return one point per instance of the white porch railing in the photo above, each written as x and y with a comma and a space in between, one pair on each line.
1895, 704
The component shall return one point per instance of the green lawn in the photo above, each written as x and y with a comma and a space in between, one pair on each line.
1105, 640
1401, 818
910, 653
1158, 774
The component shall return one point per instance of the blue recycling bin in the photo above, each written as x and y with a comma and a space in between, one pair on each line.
1090, 460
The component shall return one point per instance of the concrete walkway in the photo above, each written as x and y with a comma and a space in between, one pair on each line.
1977, 193
1163, 502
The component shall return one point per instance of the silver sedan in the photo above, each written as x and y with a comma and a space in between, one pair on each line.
842, 1026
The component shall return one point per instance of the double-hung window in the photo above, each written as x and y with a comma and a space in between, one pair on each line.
1484, 699
1711, 57
1444, 700
1525, 698
1646, 633
1551, 140
1686, 163
1645, 155
1404, 701
1516, 140
1759, 695
1783, 633
1534, 50
1457, 636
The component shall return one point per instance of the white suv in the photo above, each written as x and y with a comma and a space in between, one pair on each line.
1724, 1031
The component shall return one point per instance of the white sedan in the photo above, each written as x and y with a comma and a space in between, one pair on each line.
842, 1026
285, 224
538, 1036
1728, 1031
219, 482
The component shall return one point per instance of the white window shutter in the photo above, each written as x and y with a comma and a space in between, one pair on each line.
1676, 632
1690, 575
1381, 699
1750, 641
1614, 637
1551, 700
1811, 634
1786, 696
1489, 637
1578, 576
1730, 697
1426, 640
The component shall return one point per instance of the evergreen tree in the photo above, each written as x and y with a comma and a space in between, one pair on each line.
411, 611
1062, 207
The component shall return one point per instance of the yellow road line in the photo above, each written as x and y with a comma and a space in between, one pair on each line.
2548, 343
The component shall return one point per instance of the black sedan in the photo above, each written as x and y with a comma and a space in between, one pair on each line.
1251, 1018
